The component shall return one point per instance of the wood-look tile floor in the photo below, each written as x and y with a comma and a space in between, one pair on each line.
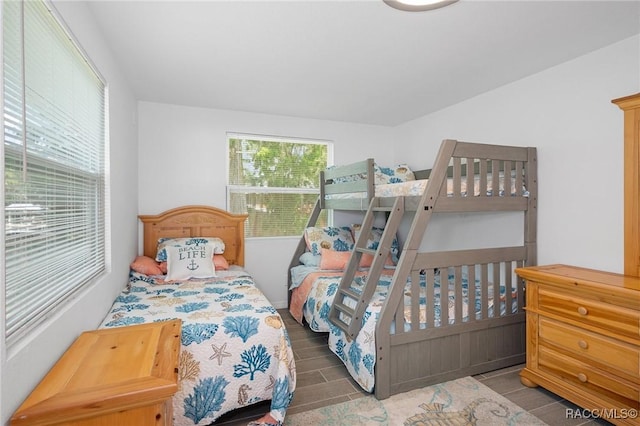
323, 380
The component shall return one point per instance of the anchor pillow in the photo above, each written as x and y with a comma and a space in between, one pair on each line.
189, 261
163, 243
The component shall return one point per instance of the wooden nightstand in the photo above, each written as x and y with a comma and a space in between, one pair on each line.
583, 338
113, 376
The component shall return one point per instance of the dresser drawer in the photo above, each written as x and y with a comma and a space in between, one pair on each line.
586, 311
612, 355
588, 378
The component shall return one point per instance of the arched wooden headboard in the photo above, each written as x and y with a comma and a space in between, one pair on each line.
196, 221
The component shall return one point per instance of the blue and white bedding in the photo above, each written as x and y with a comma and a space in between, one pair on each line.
312, 292
235, 349
359, 355
417, 187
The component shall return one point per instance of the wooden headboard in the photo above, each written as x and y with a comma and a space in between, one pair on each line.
196, 221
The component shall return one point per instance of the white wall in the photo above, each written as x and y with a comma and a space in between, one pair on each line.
182, 160
566, 112
21, 368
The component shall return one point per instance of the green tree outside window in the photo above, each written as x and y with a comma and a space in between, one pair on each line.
276, 182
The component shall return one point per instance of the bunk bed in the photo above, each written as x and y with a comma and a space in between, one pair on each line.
235, 350
388, 324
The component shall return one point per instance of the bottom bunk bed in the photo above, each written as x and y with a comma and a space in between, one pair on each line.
235, 350
433, 314
480, 328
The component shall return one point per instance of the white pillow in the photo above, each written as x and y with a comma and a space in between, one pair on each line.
194, 261
161, 255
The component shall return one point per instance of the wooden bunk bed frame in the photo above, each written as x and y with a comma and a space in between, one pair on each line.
413, 356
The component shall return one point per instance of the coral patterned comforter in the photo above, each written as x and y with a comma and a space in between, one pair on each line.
235, 349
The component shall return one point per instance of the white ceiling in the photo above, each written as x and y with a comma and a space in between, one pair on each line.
358, 61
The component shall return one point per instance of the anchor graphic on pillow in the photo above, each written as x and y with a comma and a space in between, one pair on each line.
193, 265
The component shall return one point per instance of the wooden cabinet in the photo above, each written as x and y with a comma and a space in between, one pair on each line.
583, 338
123, 376
631, 107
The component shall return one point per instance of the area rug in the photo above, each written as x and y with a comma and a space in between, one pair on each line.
463, 401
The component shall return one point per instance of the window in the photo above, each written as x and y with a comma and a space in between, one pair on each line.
54, 166
275, 181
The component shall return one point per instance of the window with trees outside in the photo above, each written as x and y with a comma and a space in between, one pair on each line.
55, 159
275, 180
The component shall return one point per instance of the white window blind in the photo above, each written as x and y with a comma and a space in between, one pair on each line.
54, 158
275, 180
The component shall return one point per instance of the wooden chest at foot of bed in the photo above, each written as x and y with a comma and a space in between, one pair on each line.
115, 376
583, 339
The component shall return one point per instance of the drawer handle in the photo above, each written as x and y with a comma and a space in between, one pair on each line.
583, 344
582, 377
582, 310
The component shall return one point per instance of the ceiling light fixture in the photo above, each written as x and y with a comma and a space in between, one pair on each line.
418, 5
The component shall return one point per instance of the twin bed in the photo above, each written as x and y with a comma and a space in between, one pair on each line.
235, 350
434, 315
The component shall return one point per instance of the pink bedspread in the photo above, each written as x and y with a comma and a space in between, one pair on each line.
299, 294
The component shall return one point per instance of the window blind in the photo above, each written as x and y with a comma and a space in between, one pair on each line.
54, 158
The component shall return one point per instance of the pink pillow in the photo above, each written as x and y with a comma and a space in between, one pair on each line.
146, 265
337, 260
220, 262
332, 259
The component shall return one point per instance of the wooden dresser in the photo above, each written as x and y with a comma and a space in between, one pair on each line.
123, 376
583, 338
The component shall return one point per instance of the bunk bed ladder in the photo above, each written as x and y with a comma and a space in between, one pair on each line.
348, 316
